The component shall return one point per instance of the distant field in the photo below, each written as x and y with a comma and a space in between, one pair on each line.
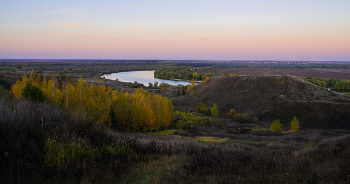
323, 73
98, 67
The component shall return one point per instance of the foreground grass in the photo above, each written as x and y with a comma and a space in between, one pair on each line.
153, 171
41, 143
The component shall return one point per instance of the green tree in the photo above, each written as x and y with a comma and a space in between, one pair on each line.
33, 93
276, 126
294, 125
215, 111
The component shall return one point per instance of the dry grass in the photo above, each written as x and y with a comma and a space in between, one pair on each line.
217, 140
43, 144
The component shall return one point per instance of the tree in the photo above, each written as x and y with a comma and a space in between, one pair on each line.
215, 111
190, 87
276, 126
33, 93
150, 85
206, 80
294, 125
232, 113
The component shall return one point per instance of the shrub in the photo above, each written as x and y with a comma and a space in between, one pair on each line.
190, 119
215, 111
207, 111
232, 113
276, 126
4, 93
294, 125
206, 80
163, 85
199, 107
242, 118
255, 120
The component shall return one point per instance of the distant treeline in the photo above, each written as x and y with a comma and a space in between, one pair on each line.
278, 66
183, 72
139, 111
335, 83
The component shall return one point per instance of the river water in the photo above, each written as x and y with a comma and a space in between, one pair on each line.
143, 77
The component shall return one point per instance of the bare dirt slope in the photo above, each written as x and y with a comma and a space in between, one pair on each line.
272, 97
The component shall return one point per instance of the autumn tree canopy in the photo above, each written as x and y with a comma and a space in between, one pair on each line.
139, 111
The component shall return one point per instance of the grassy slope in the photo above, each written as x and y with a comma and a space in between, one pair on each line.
272, 97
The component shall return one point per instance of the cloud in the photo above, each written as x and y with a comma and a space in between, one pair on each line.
81, 26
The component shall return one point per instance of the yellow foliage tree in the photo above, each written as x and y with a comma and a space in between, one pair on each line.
190, 87
276, 126
139, 111
206, 80
232, 113
294, 125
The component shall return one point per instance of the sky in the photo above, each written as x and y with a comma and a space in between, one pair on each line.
301, 30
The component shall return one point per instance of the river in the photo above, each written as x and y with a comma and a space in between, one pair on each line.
143, 77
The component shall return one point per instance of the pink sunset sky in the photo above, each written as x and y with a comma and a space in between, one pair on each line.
205, 30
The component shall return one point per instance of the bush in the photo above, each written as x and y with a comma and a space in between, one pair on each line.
200, 107
135, 85
207, 111
276, 126
4, 93
215, 111
294, 125
255, 119
232, 113
163, 85
207, 80
242, 118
